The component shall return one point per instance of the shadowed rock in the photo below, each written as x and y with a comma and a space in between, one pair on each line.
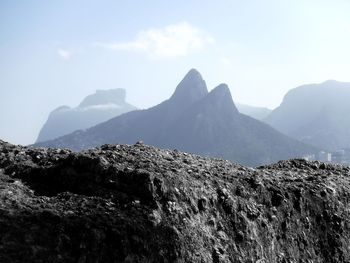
138, 203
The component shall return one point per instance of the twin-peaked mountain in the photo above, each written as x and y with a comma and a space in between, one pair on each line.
196, 121
94, 109
317, 114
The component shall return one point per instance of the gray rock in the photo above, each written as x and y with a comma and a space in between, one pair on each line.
105, 205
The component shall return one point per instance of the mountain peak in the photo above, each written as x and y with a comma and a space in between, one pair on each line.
94, 109
191, 88
222, 88
222, 98
100, 97
193, 71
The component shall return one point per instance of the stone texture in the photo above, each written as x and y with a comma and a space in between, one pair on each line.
120, 203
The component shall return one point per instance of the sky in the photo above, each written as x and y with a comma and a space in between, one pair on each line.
55, 53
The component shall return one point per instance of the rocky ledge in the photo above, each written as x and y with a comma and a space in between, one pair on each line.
137, 203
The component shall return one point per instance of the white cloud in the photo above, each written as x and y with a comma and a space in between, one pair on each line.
106, 107
168, 42
64, 54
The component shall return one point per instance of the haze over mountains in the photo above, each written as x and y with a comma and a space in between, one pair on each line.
94, 109
196, 121
259, 113
317, 114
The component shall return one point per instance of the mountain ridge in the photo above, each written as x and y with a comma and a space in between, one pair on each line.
315, 114
203, 123
94, 109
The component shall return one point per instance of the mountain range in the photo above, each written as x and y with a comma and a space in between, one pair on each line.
196, 121
94, 109
317, 114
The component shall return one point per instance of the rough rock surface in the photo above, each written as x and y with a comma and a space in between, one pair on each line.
137, 203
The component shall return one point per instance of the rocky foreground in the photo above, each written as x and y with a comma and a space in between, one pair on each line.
137, 203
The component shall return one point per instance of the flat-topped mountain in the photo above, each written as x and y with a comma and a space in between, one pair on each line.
196, 121
317, 114
138, 203
94, 109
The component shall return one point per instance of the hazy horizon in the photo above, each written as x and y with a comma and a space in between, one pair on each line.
56, 53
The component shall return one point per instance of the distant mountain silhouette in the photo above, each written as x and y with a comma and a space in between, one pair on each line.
196, 121
259, 113
94, 109
317, 114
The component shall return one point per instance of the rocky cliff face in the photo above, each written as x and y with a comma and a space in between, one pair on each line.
137, 203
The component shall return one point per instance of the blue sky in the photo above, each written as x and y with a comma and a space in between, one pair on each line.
56, 52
